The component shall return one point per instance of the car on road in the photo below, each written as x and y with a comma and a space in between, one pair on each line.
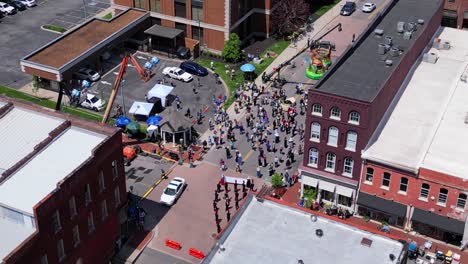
193, 68
368, 7
93, 102
28, 3
348, 8
87, 74
173, 190
177, 73
18, 5
7, 9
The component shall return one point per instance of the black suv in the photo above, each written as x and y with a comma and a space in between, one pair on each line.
348, 9
193, 68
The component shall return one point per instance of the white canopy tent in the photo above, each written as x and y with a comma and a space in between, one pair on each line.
160, 91
141, 108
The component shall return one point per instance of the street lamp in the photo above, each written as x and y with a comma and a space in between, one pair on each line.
199, 32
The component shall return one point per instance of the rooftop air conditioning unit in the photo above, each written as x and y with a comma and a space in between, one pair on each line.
430, 57
407, 35
401, 27
411, 26
382, 49
421, 21
388, 63
378, 32
446, 45
394, 52
388, 40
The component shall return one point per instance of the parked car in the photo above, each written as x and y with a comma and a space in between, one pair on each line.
193, 68
177, 73
348, 8
28, 3
368, 7
93, 102
87, 74
18, 5
7, 9
183, 53
173, 191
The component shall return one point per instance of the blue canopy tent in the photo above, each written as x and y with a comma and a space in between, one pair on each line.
247, 68
153, 120
122, 121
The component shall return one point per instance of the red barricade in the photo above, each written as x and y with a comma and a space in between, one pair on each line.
173, 244
196, 253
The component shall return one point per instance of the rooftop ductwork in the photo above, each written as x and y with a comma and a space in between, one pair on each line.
394, 52
388, 40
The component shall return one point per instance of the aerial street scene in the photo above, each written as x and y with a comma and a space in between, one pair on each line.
234, 131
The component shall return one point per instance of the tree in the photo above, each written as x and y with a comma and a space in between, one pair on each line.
232, 50
289, 16
276, 180
309, 197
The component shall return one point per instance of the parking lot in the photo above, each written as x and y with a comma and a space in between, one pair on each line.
21, 33
134, 88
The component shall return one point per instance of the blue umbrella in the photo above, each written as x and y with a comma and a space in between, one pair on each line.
148, 65
154, 120
247, 68
122, 121
155, 60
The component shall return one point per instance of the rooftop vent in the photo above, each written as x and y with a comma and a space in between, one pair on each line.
421, 21
382, 49
366, 242
392, 257
313, 218
466, 118
388, 40
430, 57
388, 63
411, 26
319, 232
394, 52
441, 44
401, 27
378, 32
407, 35
464, 78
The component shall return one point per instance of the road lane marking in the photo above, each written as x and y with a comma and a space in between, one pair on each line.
248, 155
156, 184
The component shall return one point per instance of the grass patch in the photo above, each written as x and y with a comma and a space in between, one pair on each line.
108, 16
219, 68
55, 28
48, 103
320, 9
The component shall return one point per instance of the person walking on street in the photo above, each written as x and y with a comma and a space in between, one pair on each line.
259, 173
228, 153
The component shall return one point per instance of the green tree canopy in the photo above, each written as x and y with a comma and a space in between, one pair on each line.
232, 50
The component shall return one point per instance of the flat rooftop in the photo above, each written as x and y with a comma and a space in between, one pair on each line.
74, 44
13, 234
272, 233
363, 73
427, 126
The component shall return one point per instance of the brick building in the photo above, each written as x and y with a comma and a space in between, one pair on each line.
346, 106
416, 171
209, 21
455, 14
62, 187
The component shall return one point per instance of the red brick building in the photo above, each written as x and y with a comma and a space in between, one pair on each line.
415, 173
455, 14
62, 187
348, 103
209, 21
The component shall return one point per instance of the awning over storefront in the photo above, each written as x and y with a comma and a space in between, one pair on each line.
380, 204
327, 186
439, 221
309, 181
163, 32
345, 191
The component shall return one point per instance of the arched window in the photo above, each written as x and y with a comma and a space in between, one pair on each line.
335, 113
403, 184
354, 118
461, 202
317, 109
333, 136
351, 140
443, 194
331, 161
313, 157
424, 191
348, 166
369, 175
315, 132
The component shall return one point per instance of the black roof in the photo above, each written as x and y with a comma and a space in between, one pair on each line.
164, 32
381, 204
361, 72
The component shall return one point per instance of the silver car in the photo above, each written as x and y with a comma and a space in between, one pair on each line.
87, 74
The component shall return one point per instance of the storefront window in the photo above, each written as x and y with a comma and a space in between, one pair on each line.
343, 200
328, 196
381, 216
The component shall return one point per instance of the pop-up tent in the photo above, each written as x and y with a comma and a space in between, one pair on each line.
141, 109
160, 91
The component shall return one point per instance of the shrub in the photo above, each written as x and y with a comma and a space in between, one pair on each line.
276, 180
232, 51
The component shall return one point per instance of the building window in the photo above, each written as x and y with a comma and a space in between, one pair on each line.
60, 250
155, 5
87, 194
348, 166
197, 10
331, 161
317, 110
115, 169
461, 201
442, 196
90, 223
44, 259
117, 196
386, 179
139, 4
76, 236
102, 185
354, 118
369, 175
56, 221
180, 9
104, 213
313, 157
72, 205
183, 27
351, 141
424, 191
335, 113
197, 33
403, 184
315, 132
333, 136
